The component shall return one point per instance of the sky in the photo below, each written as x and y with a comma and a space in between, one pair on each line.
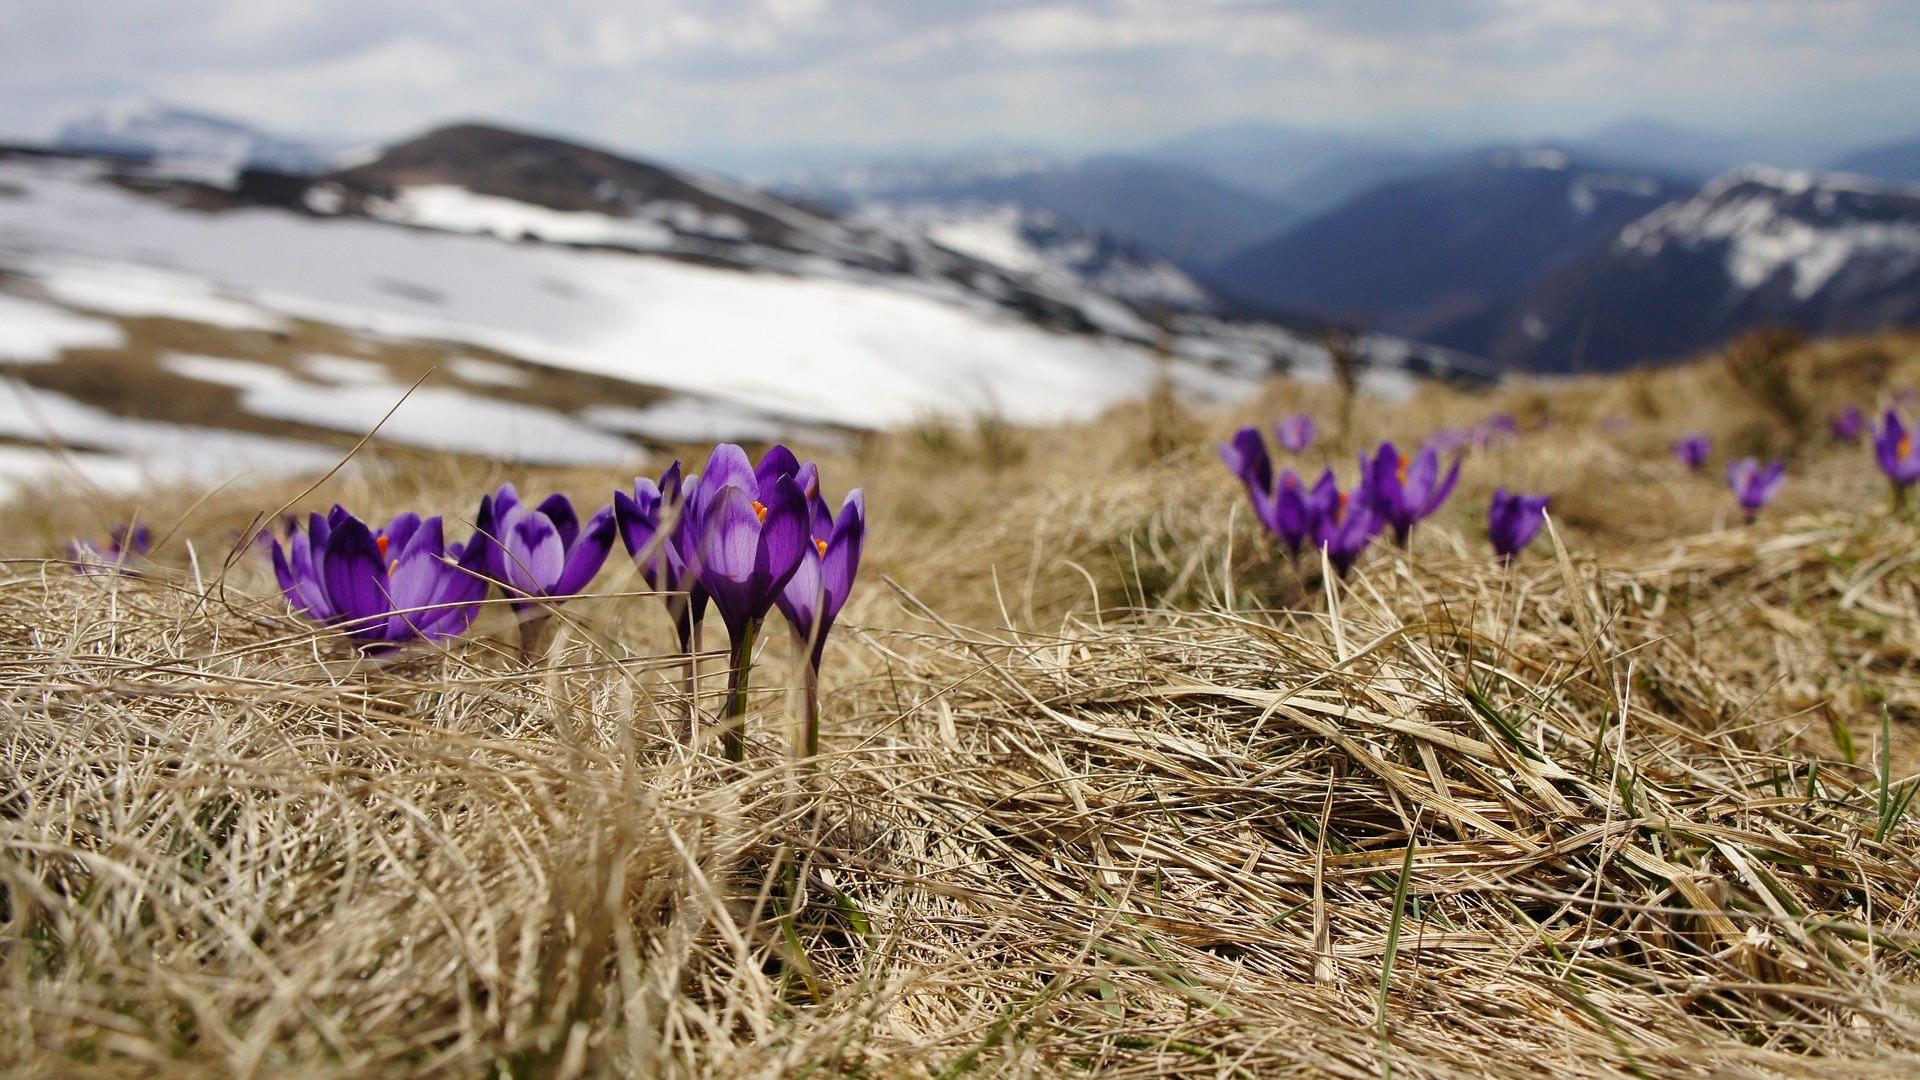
745, 82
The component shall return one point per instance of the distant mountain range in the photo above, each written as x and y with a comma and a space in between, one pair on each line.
1178, 212
1828, 253
1519, 254
1414, 256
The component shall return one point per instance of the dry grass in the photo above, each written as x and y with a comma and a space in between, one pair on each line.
1104, 791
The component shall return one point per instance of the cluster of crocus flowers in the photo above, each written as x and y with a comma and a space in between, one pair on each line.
1693, 451
1754, 485
385, 586
1513, 520
1392, 491
125, 544
738, 538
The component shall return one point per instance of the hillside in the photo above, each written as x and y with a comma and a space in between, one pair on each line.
1828, 254
1104, 789
1414, 256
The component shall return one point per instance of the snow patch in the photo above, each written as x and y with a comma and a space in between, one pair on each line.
36, 333
135, 292
455, 209
161, 452
486, 372
685, 419
432, 417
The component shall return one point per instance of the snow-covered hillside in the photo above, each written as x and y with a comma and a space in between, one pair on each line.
1826, 252
1813, 232
1039, 245
182, 142
564, 306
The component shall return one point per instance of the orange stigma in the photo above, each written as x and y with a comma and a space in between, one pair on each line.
1906, 446
1403, 470
381, 543
760, 511
822, 545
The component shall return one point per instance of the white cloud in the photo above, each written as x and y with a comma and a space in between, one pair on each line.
691, 76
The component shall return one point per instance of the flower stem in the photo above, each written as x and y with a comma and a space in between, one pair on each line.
733, 720
689, 634
532, 630
810, 737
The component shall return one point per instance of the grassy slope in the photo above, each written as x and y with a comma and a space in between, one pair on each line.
1103, 790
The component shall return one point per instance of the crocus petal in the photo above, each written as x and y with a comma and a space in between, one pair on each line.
559, 510
587, 554
729, 548
423, 536
534, 556
804, 597
842, 561
355, 577
777, 462
505, 499
728, 466
307, 562
399, 531
638, 522
784, 538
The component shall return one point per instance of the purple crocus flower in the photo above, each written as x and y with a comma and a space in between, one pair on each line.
1848, 424
542, 553
1754, 485
124, 544
1347, 526
1246, 455
752, 526
387, 586
821, 583
665, 560
1513, 521
1403, 492
1289, 514
819, 587
1693, 451
1893, 448
1296, 433
753, 529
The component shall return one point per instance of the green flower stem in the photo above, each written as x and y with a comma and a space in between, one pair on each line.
733, 723
810, 738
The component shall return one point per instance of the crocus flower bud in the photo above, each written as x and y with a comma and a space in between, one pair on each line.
1848, 424
1513, 520
1296, 433
1754, 485
1693, 451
